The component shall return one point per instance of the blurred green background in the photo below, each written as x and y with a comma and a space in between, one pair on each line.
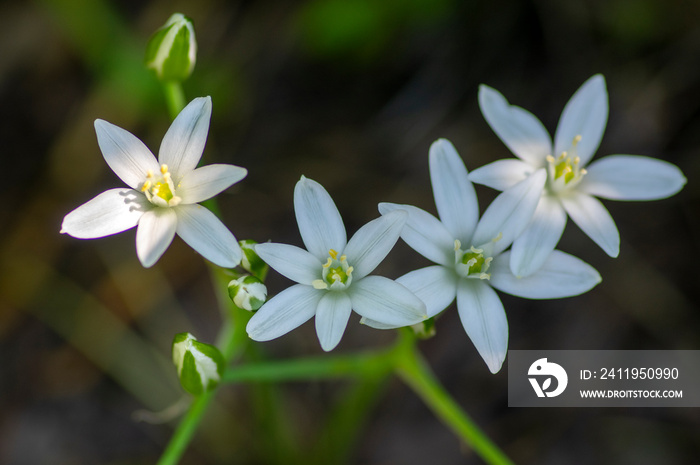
349, 93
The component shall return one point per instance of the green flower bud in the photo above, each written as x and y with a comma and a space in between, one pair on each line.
172, 50
199, 365
425, 329
251, 262
248, 292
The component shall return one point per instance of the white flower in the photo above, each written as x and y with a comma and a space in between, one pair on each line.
469, 253
332, 273
163, 194
570, 187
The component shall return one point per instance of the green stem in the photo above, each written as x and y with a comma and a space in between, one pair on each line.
313, 368
174, 97
413, 370
232, 338
185, 430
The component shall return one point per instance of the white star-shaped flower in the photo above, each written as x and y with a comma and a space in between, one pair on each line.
570, 188
469, 253
163, 194
332, 274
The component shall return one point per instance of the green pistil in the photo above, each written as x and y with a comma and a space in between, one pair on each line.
474, 261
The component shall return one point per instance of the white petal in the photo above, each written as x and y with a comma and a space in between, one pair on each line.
286, 311
111, 212
371, 243
541, 236
520, 130
585, 115
424, 233
484, 320
206, 182
386, 301
454, 194
436, 286
206, 234
332, 316
510, 213
632, 177
561, 275
128, 157
183, 144
502, 174
593, 218
292, 262
320, 223
154, 234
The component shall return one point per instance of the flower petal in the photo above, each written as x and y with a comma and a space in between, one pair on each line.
286, 311
632, 177
561, 275
183, 144
533, 246
206, 234
125, 154
484, 320
585, 115
206, 182
520, 130
593, 218
454, 194
372, 242
154, 234
436, 286
332, 317
386, 301
292, 262
510, 213
424, 233
319, 220
501, 174
111, 212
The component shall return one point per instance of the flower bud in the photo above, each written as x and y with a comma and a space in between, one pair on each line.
248, 292
199, 365
251, 262
172, 50
424, 329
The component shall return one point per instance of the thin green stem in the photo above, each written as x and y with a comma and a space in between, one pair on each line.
313, 368
174, 97
185, 430
414, 371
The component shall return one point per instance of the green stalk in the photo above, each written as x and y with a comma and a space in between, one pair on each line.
174, 97
186, 429
414, 371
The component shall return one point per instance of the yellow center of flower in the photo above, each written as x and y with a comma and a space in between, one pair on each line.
565, 171
160, 189
472, 263
336, 273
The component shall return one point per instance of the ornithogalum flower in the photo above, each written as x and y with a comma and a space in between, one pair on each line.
570, 186
332, 274
163, 194
469, 253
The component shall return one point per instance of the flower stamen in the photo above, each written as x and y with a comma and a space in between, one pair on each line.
160, 190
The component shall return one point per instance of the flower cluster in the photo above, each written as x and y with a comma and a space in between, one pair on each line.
510, 248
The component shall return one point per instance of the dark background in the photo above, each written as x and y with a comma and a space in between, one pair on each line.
351, 94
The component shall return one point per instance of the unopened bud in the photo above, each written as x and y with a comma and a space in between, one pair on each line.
425, 329
172, 50
251, 262
199, 365
248, 293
